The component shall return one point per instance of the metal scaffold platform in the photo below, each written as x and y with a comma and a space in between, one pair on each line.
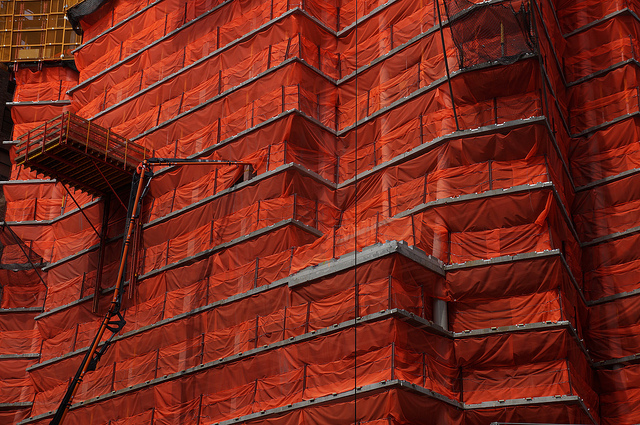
81, 154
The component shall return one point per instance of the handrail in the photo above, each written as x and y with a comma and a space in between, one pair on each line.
68, 128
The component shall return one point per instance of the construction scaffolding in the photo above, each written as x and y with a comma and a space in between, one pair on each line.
36, 30
440, 215
76, 153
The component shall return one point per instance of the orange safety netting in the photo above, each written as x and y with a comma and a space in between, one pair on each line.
606, 153
620, 394
610, 267
47, 84
376, 409
109, 15
306, 381
355, 138
339, 241
576, 14
310, 380
612, 329
13, 415
58, 239
607, 209
618, 43
616, 97
21, 284
38, 202
50, 84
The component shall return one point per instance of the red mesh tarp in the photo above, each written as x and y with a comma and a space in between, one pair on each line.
356, 139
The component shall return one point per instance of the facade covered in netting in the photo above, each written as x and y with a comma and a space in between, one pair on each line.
438, 222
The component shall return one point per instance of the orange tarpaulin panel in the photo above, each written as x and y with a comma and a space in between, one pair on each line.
51, 84
270, 328
606, 153
18, 293
618, 42
48, 84
39, 202
14, 415
384, 186
550, 377
564, 413
19, 342
573, 15
541, 307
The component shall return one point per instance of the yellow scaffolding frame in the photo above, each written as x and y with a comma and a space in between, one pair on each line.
33, 30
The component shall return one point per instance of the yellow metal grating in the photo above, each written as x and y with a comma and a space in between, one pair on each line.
36, 30
81, 154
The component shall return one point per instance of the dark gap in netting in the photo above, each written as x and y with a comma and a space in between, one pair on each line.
490, 32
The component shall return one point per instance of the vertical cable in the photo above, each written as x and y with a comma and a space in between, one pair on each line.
355, 239
446, 65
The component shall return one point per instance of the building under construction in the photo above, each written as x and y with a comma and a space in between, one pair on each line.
423, 212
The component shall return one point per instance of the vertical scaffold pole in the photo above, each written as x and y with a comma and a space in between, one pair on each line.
44, 137
446, 65
101, 252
